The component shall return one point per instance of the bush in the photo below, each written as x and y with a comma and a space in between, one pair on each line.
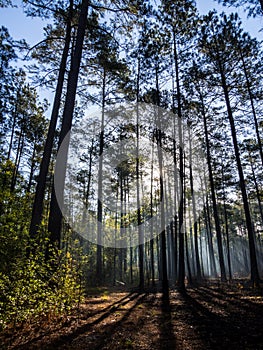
37, 287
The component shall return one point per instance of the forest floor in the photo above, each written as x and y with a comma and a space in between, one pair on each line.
211, 316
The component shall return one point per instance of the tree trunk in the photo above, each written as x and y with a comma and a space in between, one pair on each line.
188, 264
175, 221
257, 189
19, 151
197, 258
38, 205
209, 239
100, 192
14, 115
181, 269
252, 103
216, 216
32, 168
151, 214
209, 230
55, 216
139, 218
165, 286
253, 258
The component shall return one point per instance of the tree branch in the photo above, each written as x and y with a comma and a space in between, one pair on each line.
40, 42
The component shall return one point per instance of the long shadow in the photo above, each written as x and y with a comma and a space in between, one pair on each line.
66, 339
217, 331
197, 317
220, 331
233, 299
81, 329
109, 330
114, 305
211, 296
167, 335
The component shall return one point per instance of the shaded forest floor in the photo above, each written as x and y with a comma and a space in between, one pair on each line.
212, 316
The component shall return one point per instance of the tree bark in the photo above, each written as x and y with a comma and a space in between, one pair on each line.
252, 103
100, 192
181, 267
165, 286
38, 205
197, 258
216, 216
55, 216
139, 217
253, 258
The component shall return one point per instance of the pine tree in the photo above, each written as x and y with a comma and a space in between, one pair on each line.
37, 210
55, 216
253, 7
217, 45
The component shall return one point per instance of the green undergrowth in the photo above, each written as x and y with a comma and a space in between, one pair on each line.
35, 286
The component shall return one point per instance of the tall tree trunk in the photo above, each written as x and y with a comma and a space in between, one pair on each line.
201, 248
227, 242
151, 214
257, 189
181, 269
187, 253
211, 180
139, 217
252, 102
176, 190
121, 252
169, 229
197, 258
14, 115
115, 239
165, 286
55, 216
32, 168
191, 243
38, 205
19, 152
209, 229
100, 192
87, 192
175, 221
253, 258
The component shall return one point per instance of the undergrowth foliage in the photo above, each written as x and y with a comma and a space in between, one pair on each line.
35, 288
39, 287
35, 279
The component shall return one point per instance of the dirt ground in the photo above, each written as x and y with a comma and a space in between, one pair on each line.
212, 316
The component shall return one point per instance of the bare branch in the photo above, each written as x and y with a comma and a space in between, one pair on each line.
42, 6
40, 42
99, 7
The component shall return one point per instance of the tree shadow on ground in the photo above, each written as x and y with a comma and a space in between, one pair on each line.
221, 326
106, 335
167, 335
200, 318
67, 338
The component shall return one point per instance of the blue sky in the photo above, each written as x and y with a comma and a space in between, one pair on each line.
20, 26
251, 25
31, 29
